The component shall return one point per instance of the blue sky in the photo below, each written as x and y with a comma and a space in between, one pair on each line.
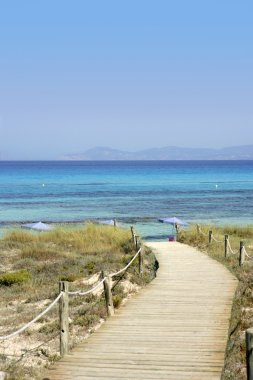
124, 74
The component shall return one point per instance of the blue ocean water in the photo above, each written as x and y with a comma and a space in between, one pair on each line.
132, 192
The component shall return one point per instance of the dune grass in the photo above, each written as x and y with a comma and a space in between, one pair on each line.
242, 310
32, 266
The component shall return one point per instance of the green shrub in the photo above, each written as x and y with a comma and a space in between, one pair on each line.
128, 246
90, 267
117, 299
86, 320
8, 279
50, 328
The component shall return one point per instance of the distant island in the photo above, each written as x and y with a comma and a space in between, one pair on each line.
166, 153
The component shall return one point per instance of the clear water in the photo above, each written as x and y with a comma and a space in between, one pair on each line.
136, 193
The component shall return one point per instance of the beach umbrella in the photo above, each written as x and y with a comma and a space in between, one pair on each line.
39, 226
174, 220
109, 222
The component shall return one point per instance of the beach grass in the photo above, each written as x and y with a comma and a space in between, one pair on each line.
242, 309
32, 264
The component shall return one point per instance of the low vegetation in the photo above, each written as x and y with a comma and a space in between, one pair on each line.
242, 310
12, 278
32, 264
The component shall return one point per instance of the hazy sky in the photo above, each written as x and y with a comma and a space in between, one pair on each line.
128, 74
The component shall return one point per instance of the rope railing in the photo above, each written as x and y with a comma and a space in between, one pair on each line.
80, 293
127, 266
243, 255
231, 250
19, 331
246, 254
216, 240
63, 299
209, 234
242, 252
200, 231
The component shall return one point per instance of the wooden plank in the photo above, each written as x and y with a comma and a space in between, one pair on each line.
174, 329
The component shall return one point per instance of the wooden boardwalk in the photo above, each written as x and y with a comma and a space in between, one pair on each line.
174, 329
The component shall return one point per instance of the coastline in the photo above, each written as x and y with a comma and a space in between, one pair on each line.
147, 228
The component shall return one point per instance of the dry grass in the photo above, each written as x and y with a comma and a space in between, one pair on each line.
46, 259
242, 310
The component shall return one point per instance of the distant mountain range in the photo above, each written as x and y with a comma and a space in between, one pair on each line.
167, 153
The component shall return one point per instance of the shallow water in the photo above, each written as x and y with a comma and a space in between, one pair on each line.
136, 193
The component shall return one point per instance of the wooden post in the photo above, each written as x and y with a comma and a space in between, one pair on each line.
198, 228
133, 234
108, 294
137, 242
140, 261
64, 317
249, 353
226, 245
210, 237
241, 255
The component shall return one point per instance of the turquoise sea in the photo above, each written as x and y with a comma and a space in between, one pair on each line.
135, 193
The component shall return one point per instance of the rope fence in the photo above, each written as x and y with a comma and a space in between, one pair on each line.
80, 293
242, 256
231, 250
29, 324
105, 283
241, 252
216, 241
246, 254
127, 266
